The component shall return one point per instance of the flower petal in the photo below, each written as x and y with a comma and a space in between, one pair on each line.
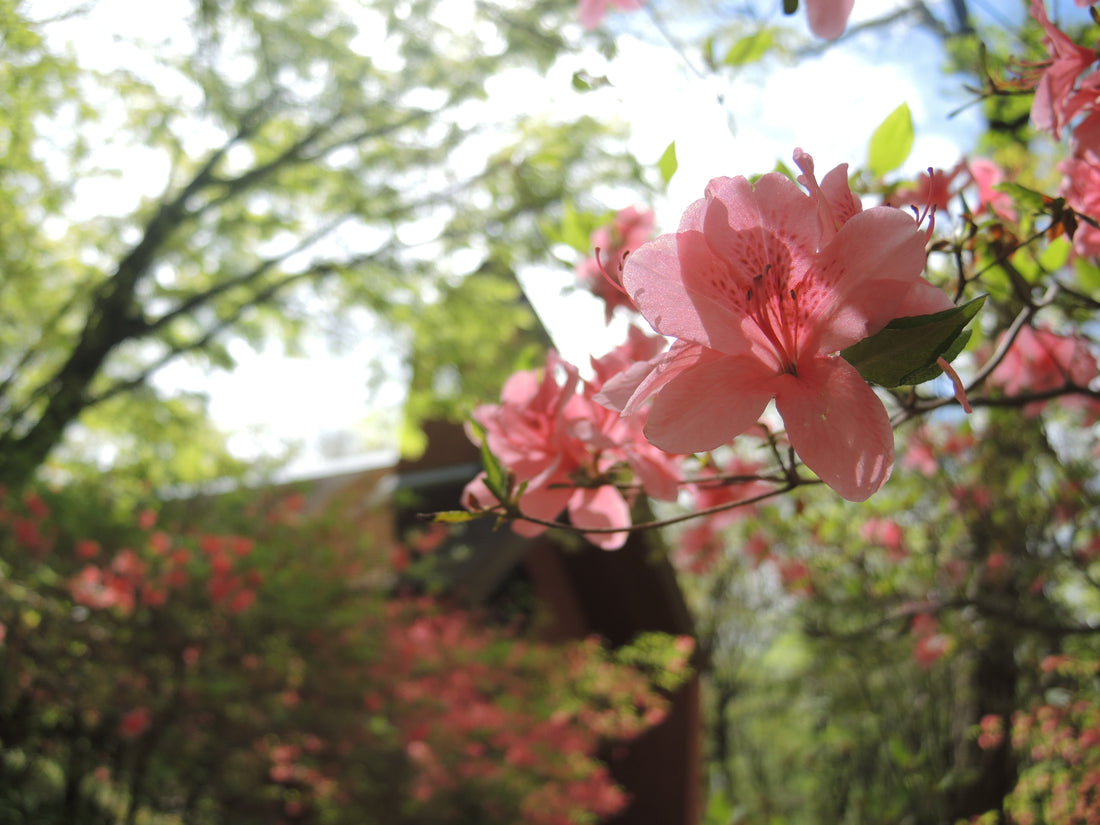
709, 404
628, 390
600, 507
664, 278
828, 18
542, 502
861, 278
838, 426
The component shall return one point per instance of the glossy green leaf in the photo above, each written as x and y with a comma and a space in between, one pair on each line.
891, 142
750, 49
667, 163
455, 517
906, 350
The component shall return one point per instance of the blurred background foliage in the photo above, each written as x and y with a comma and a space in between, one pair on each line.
304, 160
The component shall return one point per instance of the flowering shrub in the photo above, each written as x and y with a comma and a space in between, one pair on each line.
242, 677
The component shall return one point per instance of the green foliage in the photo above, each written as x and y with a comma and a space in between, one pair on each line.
750, 49
891, 142
905, 351
667, 164
306, 151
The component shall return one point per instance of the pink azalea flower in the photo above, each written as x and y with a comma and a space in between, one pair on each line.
701, 544
1062, 93
551, 435
591, 12
1081, 185
986, 175
611, 245
936, 189
762, 285
828, 18
1041, 360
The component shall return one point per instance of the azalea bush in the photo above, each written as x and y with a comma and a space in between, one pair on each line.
197, 675
803, 343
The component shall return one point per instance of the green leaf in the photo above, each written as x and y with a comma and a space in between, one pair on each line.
574, 230
1028, 200
790, 6
708, 53
496, 479
891, 142
906, 350
667, 163
1056, 255
750, 49
455, 517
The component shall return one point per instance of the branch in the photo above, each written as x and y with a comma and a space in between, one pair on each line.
202, 341
516, 514
197, 300
988, 609
1023, 317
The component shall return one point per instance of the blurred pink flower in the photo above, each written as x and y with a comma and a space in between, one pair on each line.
762, 285
1041, 360
828, 18
1062, 92
610, 246
935, 189
135, 723
591, 12
552, 436
986, 175
1081, 185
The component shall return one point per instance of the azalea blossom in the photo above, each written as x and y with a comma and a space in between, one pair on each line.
591, 12
700, 545
554, 438
1041, 360
987, 175
602, 273
828, 18
762, 285
1081, 185
1068, 84
935, 189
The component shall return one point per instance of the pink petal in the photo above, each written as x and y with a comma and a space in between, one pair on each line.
657, 471
923, 299
835, 201
627, 391
838, 426
708, 405
774, 205
591, 13
600, 507
861, 278
543, 502
669, 280
828, 18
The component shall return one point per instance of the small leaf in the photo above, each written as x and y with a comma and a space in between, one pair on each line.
497, 479
575, 230
1027, 199
454, 516
904, 352
667, 164
750, 49
1056, 255
790, 6
891, 142
708, 53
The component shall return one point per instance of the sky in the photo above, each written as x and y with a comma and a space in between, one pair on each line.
828, 105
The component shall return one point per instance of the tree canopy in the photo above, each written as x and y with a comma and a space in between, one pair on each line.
296, 159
